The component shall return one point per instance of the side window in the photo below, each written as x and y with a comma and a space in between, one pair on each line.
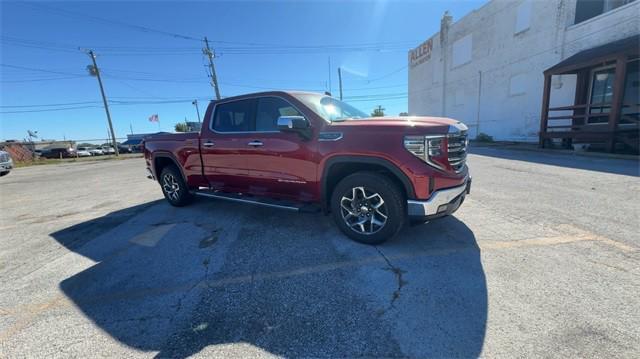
268, 111
234, 116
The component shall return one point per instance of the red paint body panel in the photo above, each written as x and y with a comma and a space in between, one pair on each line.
288, 166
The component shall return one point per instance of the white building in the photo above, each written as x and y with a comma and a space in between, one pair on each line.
487, 69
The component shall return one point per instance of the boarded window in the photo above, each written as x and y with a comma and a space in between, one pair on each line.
523, 17
518, 85
462, 51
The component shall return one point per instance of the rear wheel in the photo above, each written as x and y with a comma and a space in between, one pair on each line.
368, 207
174, 188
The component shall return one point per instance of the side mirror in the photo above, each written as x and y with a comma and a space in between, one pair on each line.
297, 124
292, 123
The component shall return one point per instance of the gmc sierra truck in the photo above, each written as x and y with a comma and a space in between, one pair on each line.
304, 151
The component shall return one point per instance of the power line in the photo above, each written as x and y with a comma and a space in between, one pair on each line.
86, 17
52, 104
40, 70
43, 79
53, 109
388, 74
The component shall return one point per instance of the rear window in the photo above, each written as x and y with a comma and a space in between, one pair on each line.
233, 116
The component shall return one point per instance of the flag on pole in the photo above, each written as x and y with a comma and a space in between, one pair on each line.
154, 118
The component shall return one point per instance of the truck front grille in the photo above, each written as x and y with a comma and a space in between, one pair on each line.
4, 157
457, 150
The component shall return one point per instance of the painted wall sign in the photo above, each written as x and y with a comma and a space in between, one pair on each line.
421, 53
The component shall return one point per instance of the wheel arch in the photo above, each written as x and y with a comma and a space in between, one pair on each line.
163, 159
338, 167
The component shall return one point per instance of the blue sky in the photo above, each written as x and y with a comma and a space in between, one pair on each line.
260, 45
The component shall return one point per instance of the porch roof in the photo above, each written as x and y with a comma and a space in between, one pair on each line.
596, 55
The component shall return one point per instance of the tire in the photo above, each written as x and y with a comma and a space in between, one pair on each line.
174, 188
359, 203
4, 173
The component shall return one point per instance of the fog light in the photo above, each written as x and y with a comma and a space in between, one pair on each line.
442, 208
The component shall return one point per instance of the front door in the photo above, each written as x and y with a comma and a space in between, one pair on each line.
281, 164
601, 95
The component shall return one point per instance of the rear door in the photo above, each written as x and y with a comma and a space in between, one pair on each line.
224, 146
280, 163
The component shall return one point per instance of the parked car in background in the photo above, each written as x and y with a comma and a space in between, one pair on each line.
96, 151
83, 152
59, 153
310, 152
108, 150
124, 149
6, 163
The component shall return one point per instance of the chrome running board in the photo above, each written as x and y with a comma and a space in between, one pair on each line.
265, 202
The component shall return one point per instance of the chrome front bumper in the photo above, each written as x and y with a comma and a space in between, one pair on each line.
442, 202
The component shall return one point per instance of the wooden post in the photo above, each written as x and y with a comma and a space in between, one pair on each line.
544, 116
616, 103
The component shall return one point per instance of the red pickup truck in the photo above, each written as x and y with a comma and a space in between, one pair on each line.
310, 152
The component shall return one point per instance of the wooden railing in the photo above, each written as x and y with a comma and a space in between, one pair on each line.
583, 113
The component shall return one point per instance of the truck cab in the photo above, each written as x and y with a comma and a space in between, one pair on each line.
311, 152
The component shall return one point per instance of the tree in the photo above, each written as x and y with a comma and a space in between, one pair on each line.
181, 127
378, 112
404, 114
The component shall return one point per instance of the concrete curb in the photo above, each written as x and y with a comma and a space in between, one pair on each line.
535, 148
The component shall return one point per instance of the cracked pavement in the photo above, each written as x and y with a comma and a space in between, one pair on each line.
541, 260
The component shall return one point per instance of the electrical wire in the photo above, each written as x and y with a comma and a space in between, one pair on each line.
40, 70
77, 15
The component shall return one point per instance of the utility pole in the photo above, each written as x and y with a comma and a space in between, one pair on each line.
214, 79
329, 62
340, 81
96, 71
195, 103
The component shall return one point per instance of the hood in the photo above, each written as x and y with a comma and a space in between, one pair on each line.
405, 122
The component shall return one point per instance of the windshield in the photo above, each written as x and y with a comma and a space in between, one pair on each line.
330, 108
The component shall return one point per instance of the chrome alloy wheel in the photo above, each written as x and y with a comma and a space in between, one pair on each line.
170, 186
363, 211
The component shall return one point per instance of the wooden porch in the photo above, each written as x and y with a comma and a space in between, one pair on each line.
606, 108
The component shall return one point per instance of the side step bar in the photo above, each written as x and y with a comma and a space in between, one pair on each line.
260, 201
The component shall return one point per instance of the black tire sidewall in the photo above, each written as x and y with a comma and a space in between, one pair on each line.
390, 193
184, 196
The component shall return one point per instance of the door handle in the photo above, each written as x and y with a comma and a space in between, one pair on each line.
208, 144
255, 143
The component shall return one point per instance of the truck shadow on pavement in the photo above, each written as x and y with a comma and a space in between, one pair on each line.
231, 280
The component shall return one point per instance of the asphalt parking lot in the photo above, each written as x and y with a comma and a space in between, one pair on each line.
541, 260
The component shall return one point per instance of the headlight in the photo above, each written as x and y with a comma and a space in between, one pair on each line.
430, 149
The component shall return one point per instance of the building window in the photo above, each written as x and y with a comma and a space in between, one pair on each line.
630, 102
586, 9
601, 93
523, 17
462, 51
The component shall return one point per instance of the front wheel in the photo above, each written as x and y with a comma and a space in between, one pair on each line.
174, 188
368, 207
